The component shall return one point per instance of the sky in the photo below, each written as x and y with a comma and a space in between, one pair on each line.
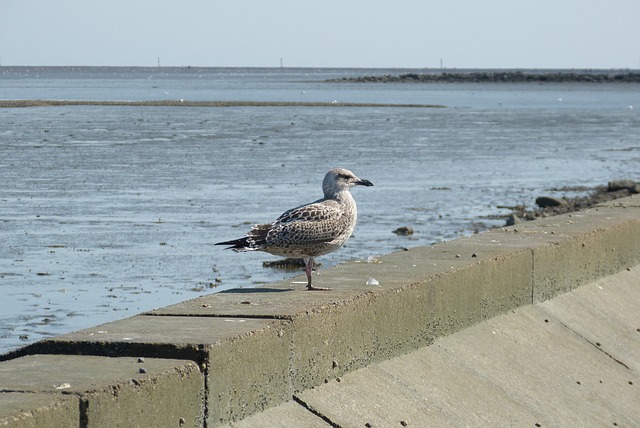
568, 34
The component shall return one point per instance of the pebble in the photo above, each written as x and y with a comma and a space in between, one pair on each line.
404, 231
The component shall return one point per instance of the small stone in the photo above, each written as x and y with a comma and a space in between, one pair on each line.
142, 370
404, 231
141, 360
549, 201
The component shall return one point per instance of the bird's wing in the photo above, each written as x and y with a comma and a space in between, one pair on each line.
320, 210
320, 221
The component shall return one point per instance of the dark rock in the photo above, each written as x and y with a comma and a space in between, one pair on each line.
629, 185
597, 195
549, 201
404, 231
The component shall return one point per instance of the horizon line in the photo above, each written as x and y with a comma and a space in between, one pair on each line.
189, 67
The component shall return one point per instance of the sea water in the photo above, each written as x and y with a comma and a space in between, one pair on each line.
108, 211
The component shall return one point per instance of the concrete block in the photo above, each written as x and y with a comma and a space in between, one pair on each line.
245, 361
574, 249
249, 374
31, 410
586, 246
113, 392
424, 293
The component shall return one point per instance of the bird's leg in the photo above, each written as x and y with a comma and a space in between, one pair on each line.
308, 268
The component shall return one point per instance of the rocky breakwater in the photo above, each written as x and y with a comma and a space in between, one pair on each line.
550, 205
501, 77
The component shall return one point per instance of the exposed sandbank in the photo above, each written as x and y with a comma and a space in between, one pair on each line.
186, 103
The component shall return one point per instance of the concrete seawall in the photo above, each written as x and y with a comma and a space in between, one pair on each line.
221, 358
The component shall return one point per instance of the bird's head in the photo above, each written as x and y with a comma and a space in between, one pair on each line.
339, 179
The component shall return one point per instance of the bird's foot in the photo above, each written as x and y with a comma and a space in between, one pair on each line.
312, 288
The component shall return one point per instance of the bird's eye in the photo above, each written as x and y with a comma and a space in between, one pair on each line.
344, 176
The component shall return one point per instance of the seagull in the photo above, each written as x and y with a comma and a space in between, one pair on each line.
310, 230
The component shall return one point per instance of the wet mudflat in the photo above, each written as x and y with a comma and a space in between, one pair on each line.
107, 211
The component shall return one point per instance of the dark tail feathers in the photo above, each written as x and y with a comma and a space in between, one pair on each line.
236, 244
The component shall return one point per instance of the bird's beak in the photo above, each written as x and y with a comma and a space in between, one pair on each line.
364, 183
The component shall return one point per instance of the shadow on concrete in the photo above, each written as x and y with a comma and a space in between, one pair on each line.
255, 290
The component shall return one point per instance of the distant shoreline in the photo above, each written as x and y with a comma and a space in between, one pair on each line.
500, 77
186, 103
433, 70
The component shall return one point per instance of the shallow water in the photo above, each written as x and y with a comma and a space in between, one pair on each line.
109, 211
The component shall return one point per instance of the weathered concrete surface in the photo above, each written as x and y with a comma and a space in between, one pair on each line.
31, 410
570, 361
585, 245
290, 414
232, 352
606, 314
102, 392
